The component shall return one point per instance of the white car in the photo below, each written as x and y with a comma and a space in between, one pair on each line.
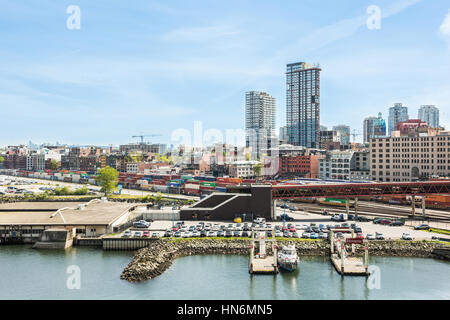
278, 234
370, 236
185, 235
195, 234
406, 236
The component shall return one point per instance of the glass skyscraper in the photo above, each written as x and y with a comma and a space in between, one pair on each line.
303, 104
397, 113
430, 115
259, 121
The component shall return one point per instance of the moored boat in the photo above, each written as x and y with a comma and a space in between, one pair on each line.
288, 258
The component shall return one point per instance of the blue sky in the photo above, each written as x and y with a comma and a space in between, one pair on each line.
156, 66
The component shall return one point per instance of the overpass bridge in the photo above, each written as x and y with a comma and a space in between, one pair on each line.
353, 190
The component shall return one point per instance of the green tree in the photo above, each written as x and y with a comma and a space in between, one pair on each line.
54, 165
2, 159
107, 178
258, 168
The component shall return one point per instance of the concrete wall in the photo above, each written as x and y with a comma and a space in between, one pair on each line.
161, 215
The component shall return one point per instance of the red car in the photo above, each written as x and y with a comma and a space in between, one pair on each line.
284, 228
359, 235
385, 222
146, 234
174, 229
292, 229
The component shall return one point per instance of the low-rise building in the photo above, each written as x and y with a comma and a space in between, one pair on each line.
335, 165
411, 157
360, 166
243, 169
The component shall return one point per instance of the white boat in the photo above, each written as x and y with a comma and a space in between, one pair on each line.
288, 258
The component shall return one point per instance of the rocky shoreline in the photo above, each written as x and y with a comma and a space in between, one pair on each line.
151, 262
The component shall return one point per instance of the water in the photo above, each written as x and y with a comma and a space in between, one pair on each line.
31, 274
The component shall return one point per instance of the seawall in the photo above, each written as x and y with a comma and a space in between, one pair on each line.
152, 261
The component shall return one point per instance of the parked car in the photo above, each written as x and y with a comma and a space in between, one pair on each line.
126, 234
370, 236
314, 235
168, 233
385, 222
422, 227
211, 234
137, 234
195, 234
406, 236
203, 233
278, 234
397, 223
146, 234
323, 235
228, 234
177, 234
379, 236
358, 229
236, 234
154, 235
285, 217
306, 235
359, 235
295, 234
220, 233
141, 224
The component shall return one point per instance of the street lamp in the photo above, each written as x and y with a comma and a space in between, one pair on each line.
173, 215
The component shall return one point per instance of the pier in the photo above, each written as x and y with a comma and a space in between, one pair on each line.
345, 263
260, 261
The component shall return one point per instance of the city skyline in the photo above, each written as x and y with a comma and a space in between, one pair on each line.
86, 82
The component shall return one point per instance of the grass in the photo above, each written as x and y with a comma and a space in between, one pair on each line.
440, 231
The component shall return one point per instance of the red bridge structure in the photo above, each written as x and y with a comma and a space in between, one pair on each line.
352, 190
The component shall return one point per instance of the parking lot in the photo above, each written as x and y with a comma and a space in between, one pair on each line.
303, 222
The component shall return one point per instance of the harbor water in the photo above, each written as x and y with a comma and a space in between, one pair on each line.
26, 273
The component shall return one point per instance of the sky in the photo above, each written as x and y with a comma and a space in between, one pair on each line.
154, 67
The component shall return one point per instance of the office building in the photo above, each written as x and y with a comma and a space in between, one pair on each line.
411, 157
303, 104
259, 121
397, 113
368, 128
430, 115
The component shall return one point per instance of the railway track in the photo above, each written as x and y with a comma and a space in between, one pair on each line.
376, 210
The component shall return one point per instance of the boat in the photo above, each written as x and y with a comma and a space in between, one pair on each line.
288, 258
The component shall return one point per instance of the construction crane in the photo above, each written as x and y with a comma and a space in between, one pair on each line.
145, 135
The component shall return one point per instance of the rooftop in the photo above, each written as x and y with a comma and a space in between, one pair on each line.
97, 213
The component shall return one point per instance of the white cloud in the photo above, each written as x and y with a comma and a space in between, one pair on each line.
445, 26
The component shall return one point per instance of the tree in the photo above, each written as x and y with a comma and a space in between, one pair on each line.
2, 159
54, 165
257, 168
107, 178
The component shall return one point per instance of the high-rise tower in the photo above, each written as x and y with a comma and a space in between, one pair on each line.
303, 104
